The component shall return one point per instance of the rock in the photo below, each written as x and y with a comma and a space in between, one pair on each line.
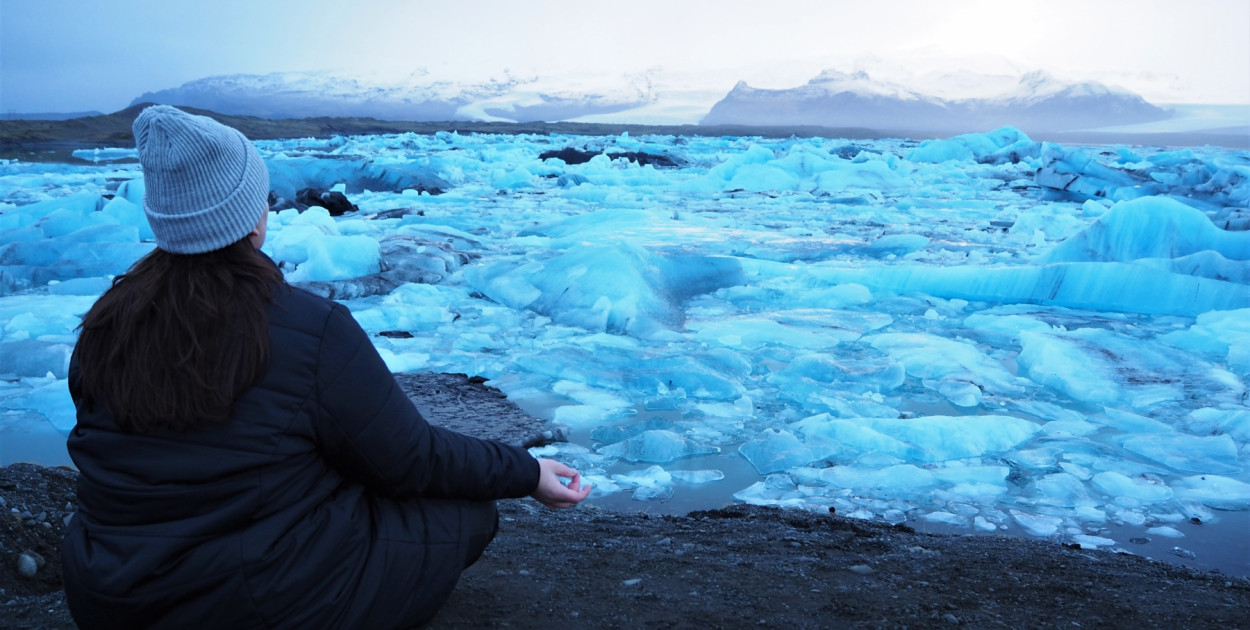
27, 565
334, 201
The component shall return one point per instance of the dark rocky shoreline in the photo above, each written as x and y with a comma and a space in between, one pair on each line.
733, 567
54, 140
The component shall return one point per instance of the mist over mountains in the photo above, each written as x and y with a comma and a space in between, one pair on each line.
417, 97
1038, 102
1034, 102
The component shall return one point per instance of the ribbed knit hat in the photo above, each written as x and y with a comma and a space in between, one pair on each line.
206, 186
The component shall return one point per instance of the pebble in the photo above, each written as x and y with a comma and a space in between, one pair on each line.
633, 582
27, 566
951, 618
861, 569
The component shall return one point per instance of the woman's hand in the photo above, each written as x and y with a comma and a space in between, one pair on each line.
554, 494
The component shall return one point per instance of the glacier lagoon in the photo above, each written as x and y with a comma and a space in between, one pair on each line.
981, 334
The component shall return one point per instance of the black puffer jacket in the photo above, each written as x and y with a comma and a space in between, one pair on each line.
312, 508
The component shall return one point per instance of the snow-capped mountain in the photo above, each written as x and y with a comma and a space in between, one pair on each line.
417, 97
1036, 103
832, 99
951, 101
1041, 102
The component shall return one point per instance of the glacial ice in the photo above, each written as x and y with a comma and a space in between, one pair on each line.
656, 446
896, 331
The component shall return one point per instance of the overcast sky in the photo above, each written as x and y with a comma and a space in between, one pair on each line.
83, 55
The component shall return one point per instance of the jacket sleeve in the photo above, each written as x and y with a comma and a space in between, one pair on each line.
372, 432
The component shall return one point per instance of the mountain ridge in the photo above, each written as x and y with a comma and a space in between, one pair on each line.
1037, 103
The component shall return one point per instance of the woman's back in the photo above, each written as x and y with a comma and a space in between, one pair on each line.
307, 492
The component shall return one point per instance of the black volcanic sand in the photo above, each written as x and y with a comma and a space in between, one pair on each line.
739, 566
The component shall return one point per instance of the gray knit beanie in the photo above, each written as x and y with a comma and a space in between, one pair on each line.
206, 186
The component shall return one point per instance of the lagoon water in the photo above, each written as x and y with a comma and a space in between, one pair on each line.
979, 334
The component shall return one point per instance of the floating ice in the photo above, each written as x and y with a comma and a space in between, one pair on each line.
1115, 484
1037, 524
1006, 144
1222, 493
697, 476
924, 439
1188, 453
958, 333
651, 484
774, 451
1102, 366
952, 367
657, 446
1151, 227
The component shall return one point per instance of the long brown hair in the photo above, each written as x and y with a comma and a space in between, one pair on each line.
178, 338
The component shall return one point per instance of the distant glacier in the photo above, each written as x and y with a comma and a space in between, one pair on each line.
1034, 102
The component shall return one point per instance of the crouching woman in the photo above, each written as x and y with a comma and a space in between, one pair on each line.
247, 460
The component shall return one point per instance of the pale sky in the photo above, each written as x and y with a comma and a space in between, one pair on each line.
82, 55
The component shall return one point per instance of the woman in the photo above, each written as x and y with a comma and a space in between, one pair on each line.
246, 458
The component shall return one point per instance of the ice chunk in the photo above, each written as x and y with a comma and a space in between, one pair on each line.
1037, 524
953, 368
1165, 531
871, 374
898, 481
46, 396
1062, 489
1225, 334
30, 357
762, 178
1007, 144
1004, 326
1221, 493
945, 518
1151, 227
320, 257
1187, 453
1117, 485
1119, 287
288, 175
867, 175
1087, 541
775, 490
1130, 423
1234, 422
1100, 366
774, 451
753, 333
651, 484
697, 476
923, 439
591, 396
608, 289
657, 446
